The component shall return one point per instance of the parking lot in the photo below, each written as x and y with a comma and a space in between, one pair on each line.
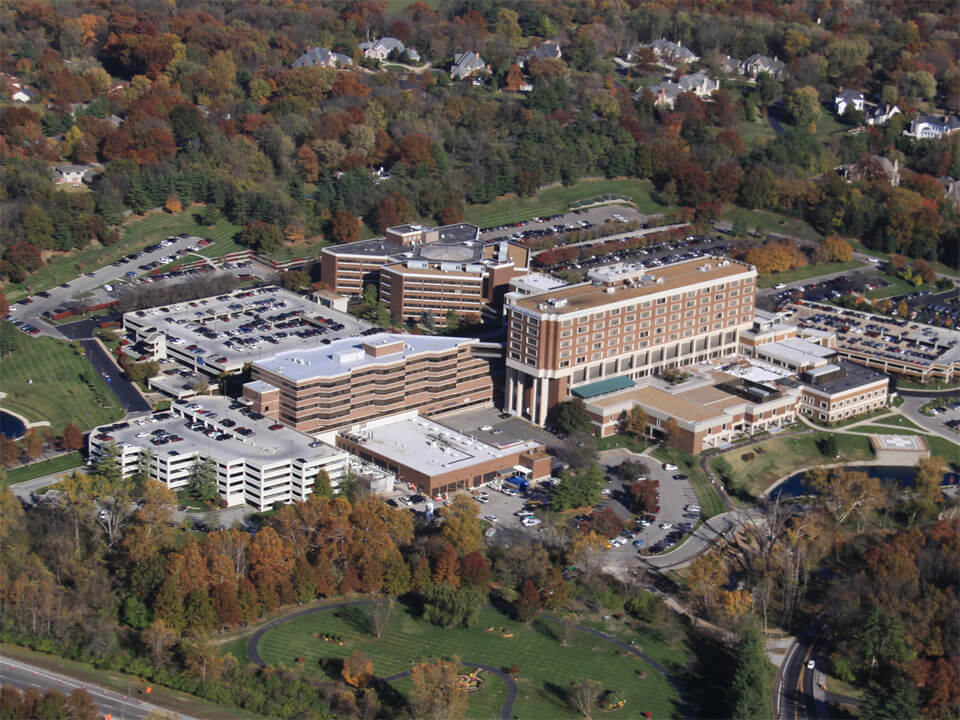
555, 226
651, 255
224, 332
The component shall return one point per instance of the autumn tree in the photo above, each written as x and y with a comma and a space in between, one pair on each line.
172, 205
437, 694
926, 497
261, 237
461, 526
381, 610
393, 210
803, 105
706, 575
529, 602
635, 422
357, 670
514, 78
833, 249
344, 227
72, 437
843, 493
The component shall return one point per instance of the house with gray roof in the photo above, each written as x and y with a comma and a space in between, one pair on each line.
466, 64
381, 49
847, 99
880, 114
665, 94
321, 57
932, 127
756, 64
544, 51
671, 52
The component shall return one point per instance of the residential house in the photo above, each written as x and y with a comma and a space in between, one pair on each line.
671, 52
23, 94
72, 174
881, 114
382, 48
466, 64
666, 93
951, 188
544, 51
321, 57
756, 64
846, 99
871, 167
932, 127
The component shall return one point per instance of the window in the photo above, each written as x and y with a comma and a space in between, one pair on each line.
661, 301
566, 333
565, 343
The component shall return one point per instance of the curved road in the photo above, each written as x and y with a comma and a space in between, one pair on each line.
506, 711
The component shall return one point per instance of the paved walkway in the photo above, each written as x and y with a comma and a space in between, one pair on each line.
506, 711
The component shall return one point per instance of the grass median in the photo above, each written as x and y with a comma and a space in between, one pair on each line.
62, 464
707, 494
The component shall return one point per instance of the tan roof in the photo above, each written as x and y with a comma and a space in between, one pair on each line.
675, 405
675, 277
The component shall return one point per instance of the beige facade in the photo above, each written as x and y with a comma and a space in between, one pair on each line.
625, 321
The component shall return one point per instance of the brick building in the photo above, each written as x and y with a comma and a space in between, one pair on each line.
625, 321
356, 380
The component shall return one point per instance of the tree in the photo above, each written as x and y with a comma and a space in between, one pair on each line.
261, 237
461, 526
514, 79
9, 451
452, 607
803, 104
80, 706
584, 697
834, 249
843, 492
529, 602
158, 638
72, 437
705, 576
393, 210
507, 28
357, 670
749, 691
671, 432
344, 227
451, 320
571, 416
380, 612
4, 305
295, 280
636, 422
172, 205
437, 694
203, 480
644, 496
892, 700
577, 489
926, 489
34, 443
322, 487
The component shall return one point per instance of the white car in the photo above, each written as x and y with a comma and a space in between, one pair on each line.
530, 521
524, 513
605, 491
481, 499
486, 428
490, 518
811, 664
691, 508
143, 434
669, 466
666, 525
779, 286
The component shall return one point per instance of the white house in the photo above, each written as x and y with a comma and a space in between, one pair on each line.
321, 57
23, 95
466, 64
381, 49
846, 99
71, 174
932, 127
881, 114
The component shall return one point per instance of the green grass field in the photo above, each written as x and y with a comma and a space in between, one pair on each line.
46, 379
39, 469
707, 494
898, 421
766, 221
755, 134
622, 440
949, 451
807, 272
547, 668
557, 199
781, 456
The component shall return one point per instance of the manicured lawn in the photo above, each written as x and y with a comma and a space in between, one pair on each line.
898, 421
303, 250
46, 379
557, 200
754, 471
766, 221
911, 385
898, 286
39, 469
622, 440
883, 430
949, 451
546, 667
159, 225
755, 133
707, 494
807, 272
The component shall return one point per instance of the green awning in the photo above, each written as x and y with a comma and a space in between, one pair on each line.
603, 387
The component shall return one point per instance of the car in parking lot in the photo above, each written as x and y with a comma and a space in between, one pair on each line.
666, 525
530, 522
669, 467
490, 518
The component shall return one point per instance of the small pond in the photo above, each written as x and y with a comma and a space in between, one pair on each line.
11, 425
793, 486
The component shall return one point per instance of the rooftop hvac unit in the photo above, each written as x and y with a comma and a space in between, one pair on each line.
610, 290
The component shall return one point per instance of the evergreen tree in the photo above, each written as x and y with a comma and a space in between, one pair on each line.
749, 691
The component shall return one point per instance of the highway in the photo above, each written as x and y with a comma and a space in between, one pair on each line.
119, 707
802, 692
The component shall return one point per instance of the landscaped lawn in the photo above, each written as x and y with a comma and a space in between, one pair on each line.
547, 668
45, 379
949, 451
756, 467
622, 440
772, 222
39, 469
807, 272
707, 494
898, 421
556, 200
882, 430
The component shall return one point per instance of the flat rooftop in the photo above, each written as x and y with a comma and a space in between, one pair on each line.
225, 332
348, 354
534, 283
458, 232
656, 280
263, 446
674, 405
428, 447
374, 247
797, 352
854, 376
